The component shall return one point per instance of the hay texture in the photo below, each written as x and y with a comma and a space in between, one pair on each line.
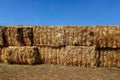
78, 35
70, 55
49, 36
19, 55
13, 36
2, 36
80, 56
110, 58
50, 55
62, 36
107, 36
27, 36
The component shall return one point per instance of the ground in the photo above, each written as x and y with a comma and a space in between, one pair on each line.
56, 72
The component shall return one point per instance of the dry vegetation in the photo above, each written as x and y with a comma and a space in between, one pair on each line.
56, 72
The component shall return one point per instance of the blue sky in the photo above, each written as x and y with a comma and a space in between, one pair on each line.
59, 12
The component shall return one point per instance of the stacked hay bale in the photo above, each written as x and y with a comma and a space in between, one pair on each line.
13, 36
79, 35
3, 41
51, 36
27, 36
110, 58
66, 45
107, 41
19, 55
16, 45
80, 56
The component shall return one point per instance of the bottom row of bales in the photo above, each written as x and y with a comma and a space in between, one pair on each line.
69, 55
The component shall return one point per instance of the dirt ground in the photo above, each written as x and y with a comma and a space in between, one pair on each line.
56, 72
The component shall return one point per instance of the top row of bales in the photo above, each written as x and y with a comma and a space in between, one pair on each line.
58, 36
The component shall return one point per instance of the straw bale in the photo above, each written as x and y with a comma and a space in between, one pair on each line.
51, 55
78, 35
107, 36
13, 36
110, 58
48, 36
19, 55
70, 55
27, 36
2, 36
80, 56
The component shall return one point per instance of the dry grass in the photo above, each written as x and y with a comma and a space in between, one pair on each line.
56, 72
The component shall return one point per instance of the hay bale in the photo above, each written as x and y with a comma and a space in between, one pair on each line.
107, 36
13, 36
80, 56
16, 36
78, 35
27, 36
48, 36
49, 55
70, 55
110, 58
3, 41
20, 55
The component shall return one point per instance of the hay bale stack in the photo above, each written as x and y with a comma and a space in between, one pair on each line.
110, 58
19, 55
78, 35
48, 36
27, 36
80, 56
107, 36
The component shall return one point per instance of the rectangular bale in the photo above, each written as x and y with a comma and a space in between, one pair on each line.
13, 36
27, 36
70, 55
107, 36
48, 36
20, 55
78, 35
109, 58
80, 56
2, 36
50, 55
